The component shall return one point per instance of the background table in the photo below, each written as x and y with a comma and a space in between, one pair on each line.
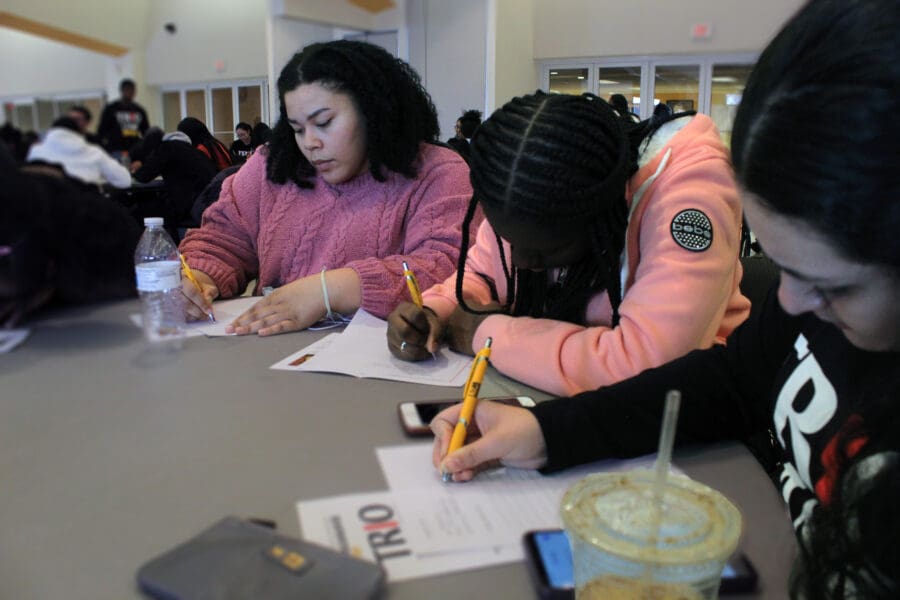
111, 453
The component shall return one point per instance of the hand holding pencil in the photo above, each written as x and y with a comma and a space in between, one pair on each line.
414, 331
470, 399
497, 434
413, 284
200, 290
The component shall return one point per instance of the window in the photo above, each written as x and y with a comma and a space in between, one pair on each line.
621, 80
569, 81
677, 86
38, 113
171, 107
249, 105
706, 84
219, 106
223, 115
727, 85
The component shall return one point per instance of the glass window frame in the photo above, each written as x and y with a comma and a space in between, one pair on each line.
55, 101
648, 66
208, 88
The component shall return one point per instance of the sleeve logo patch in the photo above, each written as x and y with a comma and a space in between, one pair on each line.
692, 230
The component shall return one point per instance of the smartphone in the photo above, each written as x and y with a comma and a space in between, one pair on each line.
415, 416
549, 559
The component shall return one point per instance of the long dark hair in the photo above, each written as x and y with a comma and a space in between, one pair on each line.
817, 139
563, 160
200, 136
816, 134
397, 111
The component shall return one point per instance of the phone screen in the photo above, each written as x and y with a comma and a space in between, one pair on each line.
429, 410
556, 558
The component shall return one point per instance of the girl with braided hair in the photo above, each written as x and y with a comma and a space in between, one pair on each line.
348, 188
607, 248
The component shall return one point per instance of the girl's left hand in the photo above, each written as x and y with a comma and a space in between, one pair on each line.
299, 304
462, 326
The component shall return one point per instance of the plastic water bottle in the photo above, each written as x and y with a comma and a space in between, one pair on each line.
158, 270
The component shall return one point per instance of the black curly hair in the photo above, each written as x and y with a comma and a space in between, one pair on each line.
469, 122
397, 111
564, 161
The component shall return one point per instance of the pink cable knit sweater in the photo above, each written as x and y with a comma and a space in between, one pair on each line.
280, 233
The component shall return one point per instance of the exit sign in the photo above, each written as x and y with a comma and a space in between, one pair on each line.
701, 31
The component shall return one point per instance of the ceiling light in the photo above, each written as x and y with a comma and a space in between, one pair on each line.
581, 77
724, 79
607, 82
554, 72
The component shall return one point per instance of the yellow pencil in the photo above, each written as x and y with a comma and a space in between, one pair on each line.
470, 399
413, 285
190, 275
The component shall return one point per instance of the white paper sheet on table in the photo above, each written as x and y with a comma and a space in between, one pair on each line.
368, 526
496, 508
298, 358
361, 350
10, 338
425, 527
225, 311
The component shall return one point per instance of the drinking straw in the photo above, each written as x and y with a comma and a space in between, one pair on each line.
661, 474
664, 455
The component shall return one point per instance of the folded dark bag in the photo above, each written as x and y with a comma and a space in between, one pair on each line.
235, 559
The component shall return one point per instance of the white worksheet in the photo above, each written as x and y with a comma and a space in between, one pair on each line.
225, 312
498, 506
370, 527
361, 350
300, 357
423, 526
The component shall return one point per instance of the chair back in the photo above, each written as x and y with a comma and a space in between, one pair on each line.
760, 274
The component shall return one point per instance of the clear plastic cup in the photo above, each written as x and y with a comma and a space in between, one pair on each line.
623, 546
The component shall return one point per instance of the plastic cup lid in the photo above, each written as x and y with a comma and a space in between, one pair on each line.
615, 512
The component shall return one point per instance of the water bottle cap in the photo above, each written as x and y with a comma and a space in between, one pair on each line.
153, 221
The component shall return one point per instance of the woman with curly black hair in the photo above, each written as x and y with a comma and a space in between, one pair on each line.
810, 382
348, 188
611, 248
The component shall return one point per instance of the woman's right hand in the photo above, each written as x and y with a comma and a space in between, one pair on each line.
413, 333
509, 435
199, 301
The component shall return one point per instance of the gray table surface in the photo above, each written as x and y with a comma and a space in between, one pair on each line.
111, 453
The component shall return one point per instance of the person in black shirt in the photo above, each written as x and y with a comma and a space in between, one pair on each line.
810, 381
185, 170
204, 141
123, 122
241, 147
